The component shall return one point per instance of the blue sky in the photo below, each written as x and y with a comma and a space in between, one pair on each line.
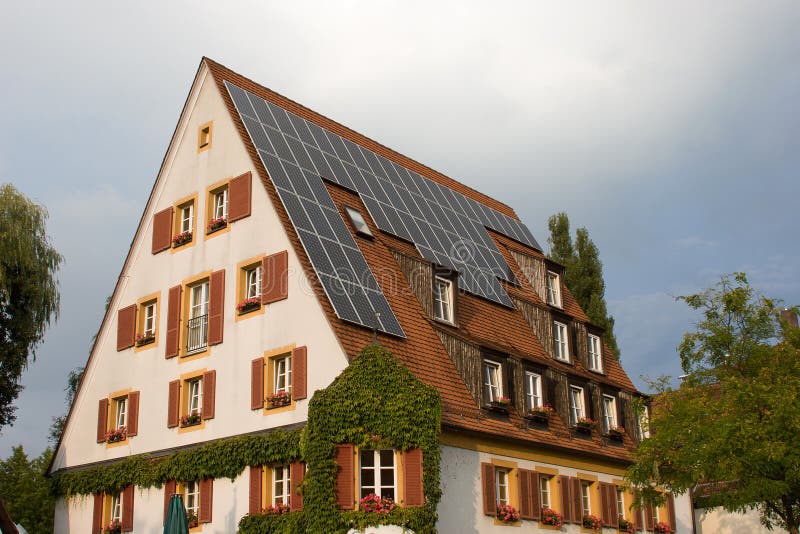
672, 132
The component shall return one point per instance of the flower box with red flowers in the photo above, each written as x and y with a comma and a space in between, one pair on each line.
507, 513
276, 509
592, 522
216, 224
248, 305
145, 338
626, 526
540, 414
191, 419
115, 527
376, 505
191, 520
501, 404
662, 528
279, 399
551, 518
584, 425
117, 435
181, 238
616, 433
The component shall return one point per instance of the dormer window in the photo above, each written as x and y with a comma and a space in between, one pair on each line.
443, 299
358, 222
560, 344
553, 289
595, 358
492, 381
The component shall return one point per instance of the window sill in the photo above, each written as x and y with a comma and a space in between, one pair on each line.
219, 231
280, 409
194, 356
507, 523
192, 428
117, 443
445, 322
176, 248
146, 346
252, 313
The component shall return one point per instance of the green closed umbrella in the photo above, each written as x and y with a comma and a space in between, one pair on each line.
176, 517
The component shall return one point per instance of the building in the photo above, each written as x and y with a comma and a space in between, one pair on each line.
275, 246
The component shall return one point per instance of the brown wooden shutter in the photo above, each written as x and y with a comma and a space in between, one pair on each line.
257, 384
97, 514
169, 490
536, 500
648, 517
173, 322
127, 509
577, 505
173, 404
239, 197
605, 506
209, 394
524, 477
133, 413
345, 492
297, 471
102, 420
256, 474
216, 307
126, 327
671, 511
299, 373
487, 483
566, 498
206, 500
612, 507
162, 230
414, 494
275, 277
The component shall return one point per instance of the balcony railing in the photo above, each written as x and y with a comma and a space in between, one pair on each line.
198, 334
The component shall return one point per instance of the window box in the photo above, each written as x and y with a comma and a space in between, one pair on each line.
584, 425
277, 509
216, 224
616, 433
551, 518
248, 305
194, 418
507, 513
540, 414
279, 399
500, 405
592, 522
115, 527
145, 339
117, 435
181, 239
626, 526
662, 528
378, 505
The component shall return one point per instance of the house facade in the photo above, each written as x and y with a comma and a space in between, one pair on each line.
275, 247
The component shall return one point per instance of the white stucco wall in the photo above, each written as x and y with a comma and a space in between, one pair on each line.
297, 320
718, 521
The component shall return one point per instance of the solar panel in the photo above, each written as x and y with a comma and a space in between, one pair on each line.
446, 227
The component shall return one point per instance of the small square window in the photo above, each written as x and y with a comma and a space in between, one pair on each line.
595, 359
553, 289
358, 222
443, 299
492, 381
204, 134
561, 346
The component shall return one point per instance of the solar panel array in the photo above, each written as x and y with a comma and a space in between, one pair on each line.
446, 227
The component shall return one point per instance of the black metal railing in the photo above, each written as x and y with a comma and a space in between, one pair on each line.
198, 334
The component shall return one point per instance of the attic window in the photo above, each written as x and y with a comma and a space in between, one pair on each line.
358, 222
204, 136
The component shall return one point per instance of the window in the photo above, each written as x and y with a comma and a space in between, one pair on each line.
249, 287
149, 327
197, 325
204, 136
377, 473
281, 486
553, 289
121, 413
595, 362
116, 508
644, 423
358, 222
282, 373
187, 218
183, 226
195, 396
501, 485
586, 501
533, 390
560, 341
609, 413
492, 389
192, 498
146, 322
217, 202
443, 299
221, 204
576, 411
544, 490
621, 502
253, 282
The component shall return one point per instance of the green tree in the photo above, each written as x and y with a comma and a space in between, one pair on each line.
735, 418
29, 297
57, 428
583, 273
26, 490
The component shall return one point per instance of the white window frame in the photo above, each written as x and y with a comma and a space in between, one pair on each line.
620, 502
149, 319
586, 498
253, 282
644, 423
121, 412
443, 302
560, 342
492, 391
116, 507
501, 476
553, 289
187, 217
609, 413
595, 353
282, 372
576, 404
533, 390
359, 223
195, 398
544, 491
378, 488
198, 291
221, 204
193, 498
281, 485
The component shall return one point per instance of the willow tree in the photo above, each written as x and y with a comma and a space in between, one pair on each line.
29, 297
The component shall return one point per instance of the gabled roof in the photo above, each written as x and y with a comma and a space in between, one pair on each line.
481, 321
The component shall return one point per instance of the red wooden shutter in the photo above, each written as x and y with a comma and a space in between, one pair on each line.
173, 404
275, 277
256, 473
206, 500
671, 510
97, 514
412, 473
525, 501
127, 509
577, 505
216, 307
162, 230
102, 420
535, 497
133, 413
126, 327
239, 197
345, 492
297, 471
209, 393
648, 517
566, 497
169, 491
299, 373
487, 483
173, 322
257, 384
